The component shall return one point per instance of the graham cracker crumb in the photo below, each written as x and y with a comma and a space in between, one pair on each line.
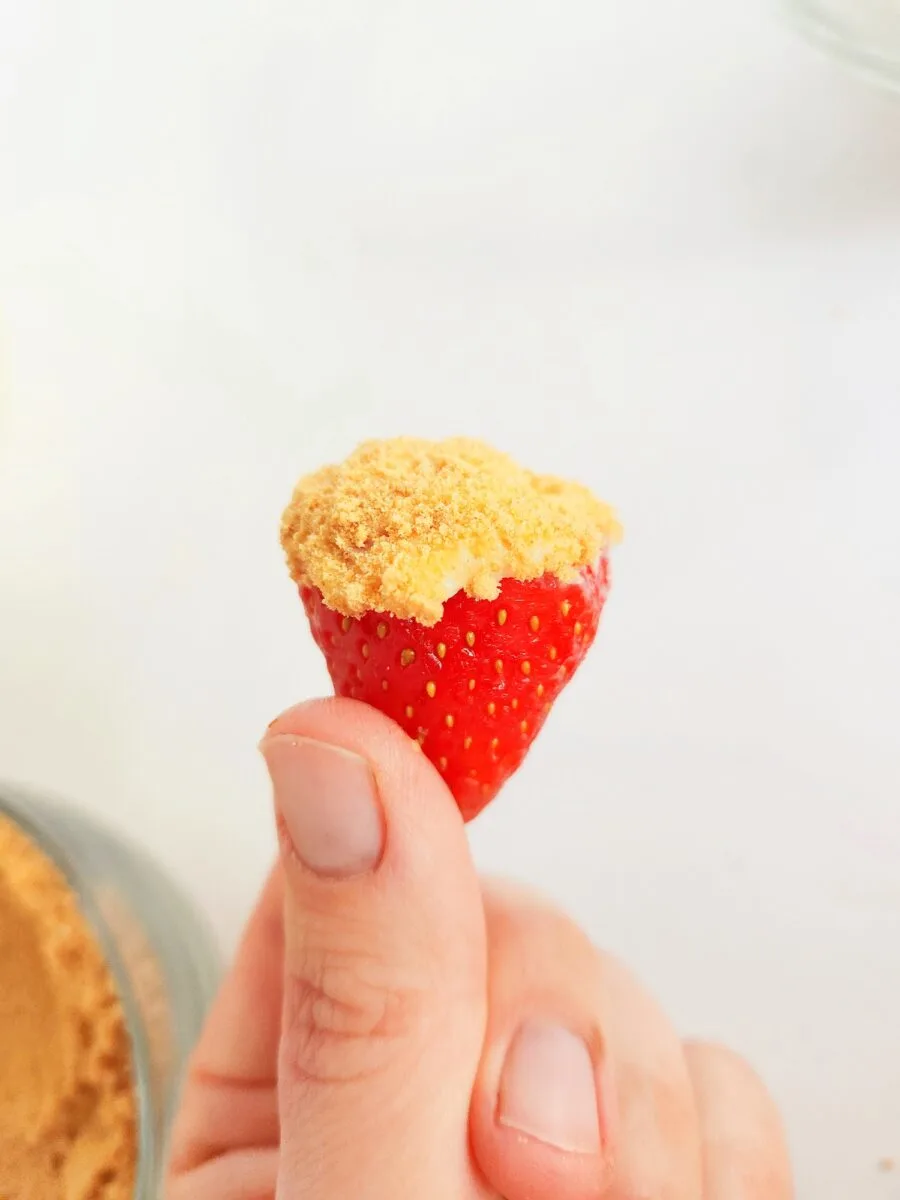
402, 525
68, 1112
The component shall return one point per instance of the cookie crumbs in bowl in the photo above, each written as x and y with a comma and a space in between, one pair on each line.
68, 1111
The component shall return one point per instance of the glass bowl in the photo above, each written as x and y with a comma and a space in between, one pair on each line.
864, 33
163, 958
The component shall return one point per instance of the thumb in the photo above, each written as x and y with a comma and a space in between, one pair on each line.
385, 963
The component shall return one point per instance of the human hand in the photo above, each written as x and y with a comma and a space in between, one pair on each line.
393, 1028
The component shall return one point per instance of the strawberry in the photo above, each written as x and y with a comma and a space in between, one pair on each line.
474, 689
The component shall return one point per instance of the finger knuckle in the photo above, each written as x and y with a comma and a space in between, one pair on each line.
346, 1012
717, 1067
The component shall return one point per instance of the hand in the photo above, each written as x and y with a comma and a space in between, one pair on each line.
415, 1035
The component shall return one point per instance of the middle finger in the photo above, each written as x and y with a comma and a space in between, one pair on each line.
552, 992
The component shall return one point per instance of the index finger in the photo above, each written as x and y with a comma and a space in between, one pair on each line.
229, 1100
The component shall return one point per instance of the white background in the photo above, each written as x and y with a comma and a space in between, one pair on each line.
654, 246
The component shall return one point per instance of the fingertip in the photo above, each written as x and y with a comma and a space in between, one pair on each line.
611, 1109
541, 1120
363, 730
417, 802
334, 712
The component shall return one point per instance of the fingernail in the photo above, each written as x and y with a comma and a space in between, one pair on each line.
328, 801
548, 1089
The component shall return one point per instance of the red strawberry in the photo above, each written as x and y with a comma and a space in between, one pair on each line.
475, 688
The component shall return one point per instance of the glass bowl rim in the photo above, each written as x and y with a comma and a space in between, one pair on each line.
32, 813
856, 53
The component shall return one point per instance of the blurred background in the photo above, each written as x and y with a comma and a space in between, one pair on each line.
654, 247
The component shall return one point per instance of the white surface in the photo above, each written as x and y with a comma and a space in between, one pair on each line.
654, 246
